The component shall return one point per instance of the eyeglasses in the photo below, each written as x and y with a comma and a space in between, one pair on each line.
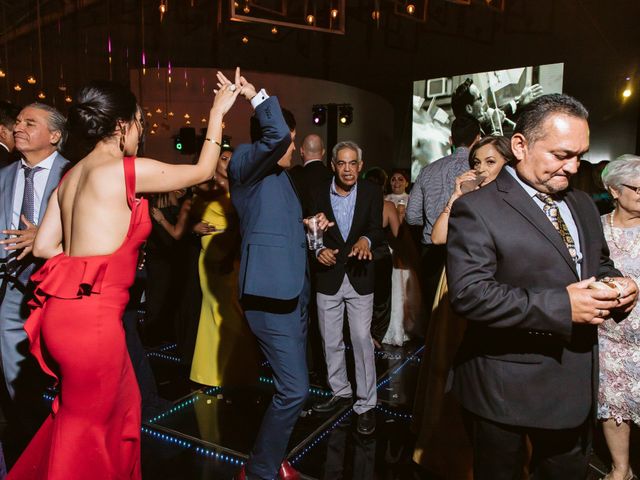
631, 187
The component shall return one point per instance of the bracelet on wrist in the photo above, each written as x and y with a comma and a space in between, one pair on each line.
213, 141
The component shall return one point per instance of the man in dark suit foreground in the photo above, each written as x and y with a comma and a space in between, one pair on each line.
273, 279
345, 279
521, 254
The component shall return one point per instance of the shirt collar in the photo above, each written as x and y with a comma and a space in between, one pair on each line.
335, 192
5, 147
311, 161
532, 192
45, 164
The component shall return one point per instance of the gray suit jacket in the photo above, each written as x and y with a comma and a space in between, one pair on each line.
522, 361
7, 187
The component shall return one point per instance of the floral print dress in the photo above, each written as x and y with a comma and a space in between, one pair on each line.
619, 396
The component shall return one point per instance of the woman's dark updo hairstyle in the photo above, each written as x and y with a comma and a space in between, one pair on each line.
97, 108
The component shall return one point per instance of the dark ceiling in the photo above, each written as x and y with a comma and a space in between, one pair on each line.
596, 39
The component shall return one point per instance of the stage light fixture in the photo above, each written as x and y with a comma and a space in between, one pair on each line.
627, 92
345, 115
177, 143
319, 115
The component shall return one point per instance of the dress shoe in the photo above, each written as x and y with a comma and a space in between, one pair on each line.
287, 472
332, 404
367, 422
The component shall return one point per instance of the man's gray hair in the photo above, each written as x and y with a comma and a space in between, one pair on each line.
623, 170
56, 122
346, 144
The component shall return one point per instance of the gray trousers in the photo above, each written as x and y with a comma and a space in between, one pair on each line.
330, 320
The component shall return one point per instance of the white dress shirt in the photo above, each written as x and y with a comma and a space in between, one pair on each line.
39, 184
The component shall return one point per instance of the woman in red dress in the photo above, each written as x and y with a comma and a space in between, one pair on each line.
91, 233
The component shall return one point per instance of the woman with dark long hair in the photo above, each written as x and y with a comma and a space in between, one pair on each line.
91, 234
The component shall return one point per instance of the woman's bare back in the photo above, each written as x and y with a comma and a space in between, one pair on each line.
93, 206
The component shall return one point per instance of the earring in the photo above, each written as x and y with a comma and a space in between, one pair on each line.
122, 141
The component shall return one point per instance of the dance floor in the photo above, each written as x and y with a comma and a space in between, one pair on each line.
208, 433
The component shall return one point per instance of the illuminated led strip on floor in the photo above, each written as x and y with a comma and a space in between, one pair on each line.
325, 432
171, 346
392, 413
319, 438
166, 438
402, 365
185, 403
223, 457
164, 356
313, 390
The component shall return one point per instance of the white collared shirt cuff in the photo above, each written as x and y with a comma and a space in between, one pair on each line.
367, 239
260, 97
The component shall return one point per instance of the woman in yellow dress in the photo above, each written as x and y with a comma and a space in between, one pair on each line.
226, 351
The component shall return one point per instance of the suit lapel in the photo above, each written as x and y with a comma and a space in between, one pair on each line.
519, 200
52, 183
575, 208
8, 189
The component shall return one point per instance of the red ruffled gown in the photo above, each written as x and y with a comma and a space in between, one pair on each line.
76, 334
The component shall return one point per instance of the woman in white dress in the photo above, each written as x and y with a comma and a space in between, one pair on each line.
405, 287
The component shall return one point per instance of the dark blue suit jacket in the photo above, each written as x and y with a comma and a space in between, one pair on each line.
273, 256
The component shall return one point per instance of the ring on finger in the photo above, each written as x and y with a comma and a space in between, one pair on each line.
232, 87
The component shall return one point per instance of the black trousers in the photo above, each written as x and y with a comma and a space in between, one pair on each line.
499, 450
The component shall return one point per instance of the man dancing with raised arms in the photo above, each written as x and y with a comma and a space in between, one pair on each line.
273, 280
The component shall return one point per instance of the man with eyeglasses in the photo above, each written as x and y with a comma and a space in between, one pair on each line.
345, 278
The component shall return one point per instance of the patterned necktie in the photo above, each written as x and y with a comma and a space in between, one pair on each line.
28, 197
553, 213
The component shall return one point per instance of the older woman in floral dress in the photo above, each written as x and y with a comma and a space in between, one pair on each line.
619, 396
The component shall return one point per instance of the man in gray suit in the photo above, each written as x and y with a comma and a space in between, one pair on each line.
521, 255
25, 188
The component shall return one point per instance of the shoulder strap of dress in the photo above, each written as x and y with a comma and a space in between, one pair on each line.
130, 179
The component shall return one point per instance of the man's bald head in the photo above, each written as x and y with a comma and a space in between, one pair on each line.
312, 148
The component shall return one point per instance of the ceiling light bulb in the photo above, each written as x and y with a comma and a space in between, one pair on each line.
311, 19
411, 9
31, 80
245, 39
17, 87
42, 96
68, 99
334, 13
2, 74
274, 30
375, 14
